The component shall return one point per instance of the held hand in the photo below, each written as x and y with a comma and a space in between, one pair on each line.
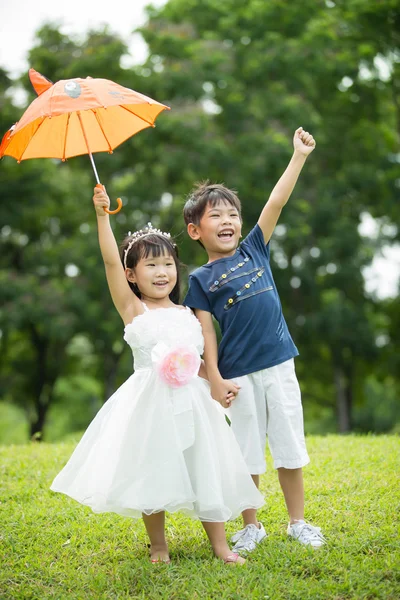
224, 391
100, 201
230, 397
303, 142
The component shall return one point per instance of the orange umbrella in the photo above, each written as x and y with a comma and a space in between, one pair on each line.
78, 116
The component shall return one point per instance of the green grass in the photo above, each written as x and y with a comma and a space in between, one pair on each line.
51, 547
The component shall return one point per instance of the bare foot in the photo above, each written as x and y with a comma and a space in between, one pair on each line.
234, 559
229, 557
159, 554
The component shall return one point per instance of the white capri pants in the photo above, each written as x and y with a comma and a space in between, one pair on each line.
269, 404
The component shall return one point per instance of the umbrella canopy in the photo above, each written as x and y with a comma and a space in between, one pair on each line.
78, 116
56, 122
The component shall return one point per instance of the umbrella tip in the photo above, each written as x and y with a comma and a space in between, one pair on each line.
39, 82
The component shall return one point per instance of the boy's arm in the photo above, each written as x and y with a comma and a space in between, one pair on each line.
125, 301
304, 144
222, 390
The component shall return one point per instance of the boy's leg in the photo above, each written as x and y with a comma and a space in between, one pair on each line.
250, 514
291, 481
155, 527
217, 536
287, 444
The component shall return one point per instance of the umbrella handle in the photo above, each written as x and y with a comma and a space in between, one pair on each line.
119, 202
114, 212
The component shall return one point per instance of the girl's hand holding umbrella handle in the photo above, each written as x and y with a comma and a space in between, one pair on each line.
119, 202
101, 201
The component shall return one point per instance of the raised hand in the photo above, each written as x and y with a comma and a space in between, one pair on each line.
100, 201
303, 141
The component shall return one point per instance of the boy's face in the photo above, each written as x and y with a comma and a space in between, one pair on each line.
219, 230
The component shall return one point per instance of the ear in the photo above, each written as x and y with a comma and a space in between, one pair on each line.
193, 231
130, 275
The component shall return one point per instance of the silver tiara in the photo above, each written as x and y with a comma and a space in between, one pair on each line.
137, 235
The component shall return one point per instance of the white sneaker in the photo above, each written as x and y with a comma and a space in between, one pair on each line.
306, 534
247, 539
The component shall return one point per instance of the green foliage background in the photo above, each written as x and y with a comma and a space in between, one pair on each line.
239, 77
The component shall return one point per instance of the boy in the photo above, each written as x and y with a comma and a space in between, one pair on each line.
236, 287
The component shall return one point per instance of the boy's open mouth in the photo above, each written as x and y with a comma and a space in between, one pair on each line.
160, 283
225, 234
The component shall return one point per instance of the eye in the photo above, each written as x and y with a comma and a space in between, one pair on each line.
151, 264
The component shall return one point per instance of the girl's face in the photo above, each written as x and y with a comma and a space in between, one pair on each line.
155, 276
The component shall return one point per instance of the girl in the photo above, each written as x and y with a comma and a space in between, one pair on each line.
160, 443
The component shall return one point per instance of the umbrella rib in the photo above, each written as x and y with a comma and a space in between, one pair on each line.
133, 113
30, 139
102, 130
65, 138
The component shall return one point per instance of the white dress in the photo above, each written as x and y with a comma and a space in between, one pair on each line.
153, 447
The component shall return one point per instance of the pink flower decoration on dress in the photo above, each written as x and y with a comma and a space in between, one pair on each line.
179, 366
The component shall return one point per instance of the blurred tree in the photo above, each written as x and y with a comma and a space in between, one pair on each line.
257, 71
54, 284
99, 55
48, 268
240, 77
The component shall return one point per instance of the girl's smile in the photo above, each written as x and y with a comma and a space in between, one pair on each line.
155, 276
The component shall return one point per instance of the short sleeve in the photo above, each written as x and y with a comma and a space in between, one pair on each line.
196, 297
255, 239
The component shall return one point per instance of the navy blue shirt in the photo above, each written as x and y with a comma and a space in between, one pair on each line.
240, 292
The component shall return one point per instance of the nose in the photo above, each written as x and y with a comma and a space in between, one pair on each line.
226, 220
161, 271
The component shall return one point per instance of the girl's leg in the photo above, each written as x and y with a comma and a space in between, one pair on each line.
155, 527
291, 481
217, 536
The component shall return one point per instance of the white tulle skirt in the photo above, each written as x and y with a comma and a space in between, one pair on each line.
152, 448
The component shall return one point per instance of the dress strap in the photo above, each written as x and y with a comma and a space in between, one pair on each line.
146, 308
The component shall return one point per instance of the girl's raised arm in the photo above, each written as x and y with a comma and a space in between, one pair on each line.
125, 301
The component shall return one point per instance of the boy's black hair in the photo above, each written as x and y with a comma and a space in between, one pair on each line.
154, 245
205, 193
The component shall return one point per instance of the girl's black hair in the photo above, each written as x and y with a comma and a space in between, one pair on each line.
154, 245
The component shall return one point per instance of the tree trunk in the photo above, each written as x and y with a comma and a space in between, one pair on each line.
37, 425
343, 385
43, 384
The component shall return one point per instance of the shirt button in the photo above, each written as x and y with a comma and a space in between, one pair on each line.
246, 259
254, 279
259, 273
230, 301
247, 285
216, 282
223, 276
238, 293
241, 264
232, 269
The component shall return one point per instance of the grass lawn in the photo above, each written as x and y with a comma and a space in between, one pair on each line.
52, 547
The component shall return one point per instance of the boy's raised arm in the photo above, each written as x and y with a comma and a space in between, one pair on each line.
304, 144
222, 390
125, 301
